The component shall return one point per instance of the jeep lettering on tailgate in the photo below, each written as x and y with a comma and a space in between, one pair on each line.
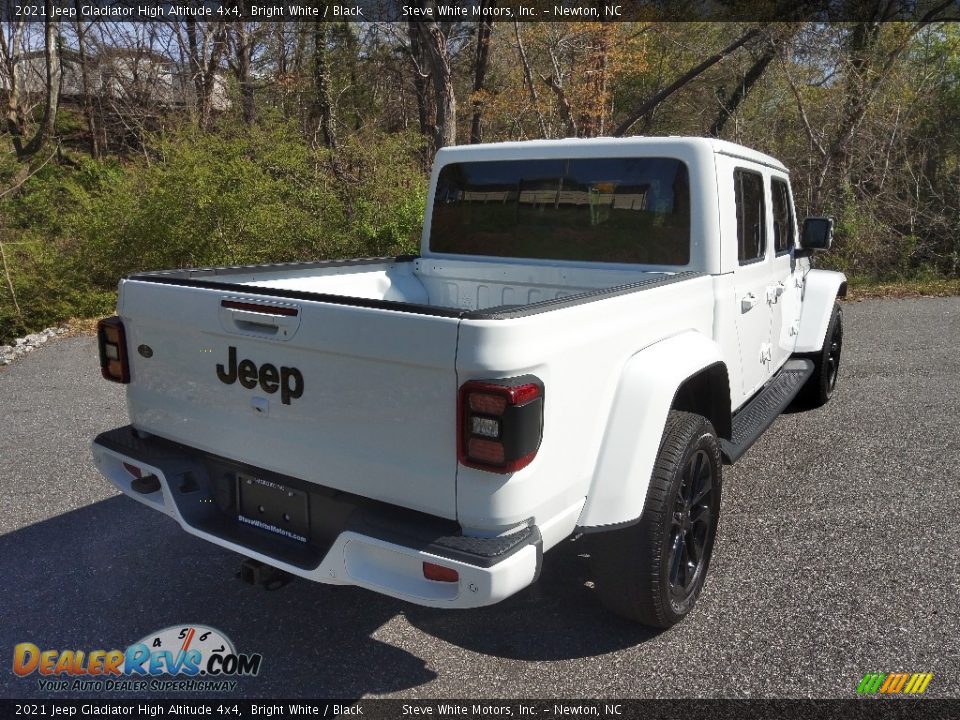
288, 380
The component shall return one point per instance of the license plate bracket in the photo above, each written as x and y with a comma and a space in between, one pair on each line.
270, 506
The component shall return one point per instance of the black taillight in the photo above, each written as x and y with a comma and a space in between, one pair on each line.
500, 423
112, 340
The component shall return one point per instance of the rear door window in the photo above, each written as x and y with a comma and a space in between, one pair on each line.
751, 216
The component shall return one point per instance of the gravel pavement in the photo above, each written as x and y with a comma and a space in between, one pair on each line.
837, 555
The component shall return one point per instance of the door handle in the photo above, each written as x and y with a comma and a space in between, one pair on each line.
774, 292
747, 302
266, 320
254, 322
766, 353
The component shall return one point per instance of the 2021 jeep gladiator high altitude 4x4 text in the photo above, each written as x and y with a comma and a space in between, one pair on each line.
591, 330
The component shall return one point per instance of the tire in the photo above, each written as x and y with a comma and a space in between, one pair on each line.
643, 572
820, 386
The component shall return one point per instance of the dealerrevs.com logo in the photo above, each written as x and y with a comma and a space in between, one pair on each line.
177, 658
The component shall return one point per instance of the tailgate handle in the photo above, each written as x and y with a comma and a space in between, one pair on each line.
265, 320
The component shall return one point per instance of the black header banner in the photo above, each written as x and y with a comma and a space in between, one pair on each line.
854, 709
475, 10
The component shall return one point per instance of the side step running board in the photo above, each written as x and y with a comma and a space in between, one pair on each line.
758, 414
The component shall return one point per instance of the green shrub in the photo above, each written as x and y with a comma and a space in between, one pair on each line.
240, 195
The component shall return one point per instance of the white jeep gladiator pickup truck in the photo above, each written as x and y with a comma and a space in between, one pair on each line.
591, 330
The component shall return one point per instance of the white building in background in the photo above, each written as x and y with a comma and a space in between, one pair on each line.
124, 75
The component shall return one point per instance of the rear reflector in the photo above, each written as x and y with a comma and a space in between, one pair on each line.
112, 342
487, 404
500, 423
485, 451
439, 573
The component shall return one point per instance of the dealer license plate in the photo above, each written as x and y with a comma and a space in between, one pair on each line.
270, 506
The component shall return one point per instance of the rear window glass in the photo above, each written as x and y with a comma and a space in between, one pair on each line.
617, 210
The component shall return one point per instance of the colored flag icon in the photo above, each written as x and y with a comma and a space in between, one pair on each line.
894, 683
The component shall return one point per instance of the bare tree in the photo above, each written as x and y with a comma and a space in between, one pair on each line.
651, 103
51, 50
204, 45
484, 30
421, 79
729, 106
865, 58
137, 79
11, 49
434, 42
322, 110
528, 80
82, 30
243, 38
554, 81
593, 113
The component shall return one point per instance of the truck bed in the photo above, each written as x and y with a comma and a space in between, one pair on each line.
345, 373
430, 285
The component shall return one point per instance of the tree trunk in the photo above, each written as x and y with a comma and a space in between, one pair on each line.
528, 79
11, 58
322, 106
196, 71
282, 51
87, 90
566, 111
421, 80
204, 64
54, 73
242, 59
484, 30
649, 104
444, 96
213, 64
51, 44
591, 122
750, 78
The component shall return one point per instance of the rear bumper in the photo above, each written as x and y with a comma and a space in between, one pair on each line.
351, 540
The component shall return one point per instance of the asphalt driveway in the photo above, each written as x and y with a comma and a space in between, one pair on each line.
837, 556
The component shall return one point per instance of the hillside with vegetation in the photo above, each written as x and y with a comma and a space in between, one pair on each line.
127, 147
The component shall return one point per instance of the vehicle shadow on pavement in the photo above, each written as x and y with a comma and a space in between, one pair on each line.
106, 575
557, 618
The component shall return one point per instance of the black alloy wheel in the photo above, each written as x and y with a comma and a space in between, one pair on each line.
821, 384
833, 354
653, 571
692, 529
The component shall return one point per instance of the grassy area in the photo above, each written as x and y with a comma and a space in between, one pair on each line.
241, 196
866, 289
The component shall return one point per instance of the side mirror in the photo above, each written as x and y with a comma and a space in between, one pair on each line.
817, 234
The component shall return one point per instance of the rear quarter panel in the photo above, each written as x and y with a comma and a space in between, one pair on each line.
579, 352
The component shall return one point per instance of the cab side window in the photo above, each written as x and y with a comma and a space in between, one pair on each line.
783, 238
751, 216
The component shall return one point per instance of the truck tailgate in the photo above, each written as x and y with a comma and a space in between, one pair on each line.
358, 399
